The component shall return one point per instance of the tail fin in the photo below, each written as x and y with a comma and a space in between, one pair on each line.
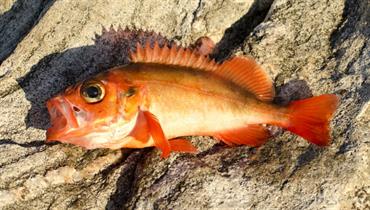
309, 118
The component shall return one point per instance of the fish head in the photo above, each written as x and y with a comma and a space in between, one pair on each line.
95, 112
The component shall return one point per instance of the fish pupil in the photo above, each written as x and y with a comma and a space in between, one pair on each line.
92, 92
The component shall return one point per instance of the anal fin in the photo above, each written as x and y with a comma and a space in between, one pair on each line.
251, 135
182, 145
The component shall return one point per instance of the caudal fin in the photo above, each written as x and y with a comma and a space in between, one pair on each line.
310, 118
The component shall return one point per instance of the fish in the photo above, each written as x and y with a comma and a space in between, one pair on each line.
168, 92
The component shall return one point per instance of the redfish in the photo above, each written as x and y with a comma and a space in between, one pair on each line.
168, 92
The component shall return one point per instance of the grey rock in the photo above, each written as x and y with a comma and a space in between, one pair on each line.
324, 43
6, 5
16, 20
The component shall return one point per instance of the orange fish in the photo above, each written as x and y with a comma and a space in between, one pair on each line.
168, 92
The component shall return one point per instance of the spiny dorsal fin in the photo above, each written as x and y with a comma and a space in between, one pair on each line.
242, 71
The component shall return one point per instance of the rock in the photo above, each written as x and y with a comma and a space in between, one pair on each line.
16, 19
324, 43
6, 5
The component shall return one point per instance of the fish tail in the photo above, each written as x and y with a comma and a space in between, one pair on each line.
310, 118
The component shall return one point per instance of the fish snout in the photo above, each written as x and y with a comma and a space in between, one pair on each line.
62, 118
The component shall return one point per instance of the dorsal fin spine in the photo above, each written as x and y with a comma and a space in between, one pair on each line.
165, 53
173, 51
148, 54
199, 62
189, 56
180, 57
156, 50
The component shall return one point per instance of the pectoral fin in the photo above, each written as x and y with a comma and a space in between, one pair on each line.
157, 134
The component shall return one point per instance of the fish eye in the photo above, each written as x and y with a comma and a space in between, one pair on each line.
92, 92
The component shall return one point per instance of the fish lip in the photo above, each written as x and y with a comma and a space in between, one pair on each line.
62, 118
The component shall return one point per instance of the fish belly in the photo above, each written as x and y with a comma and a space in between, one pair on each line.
184, 112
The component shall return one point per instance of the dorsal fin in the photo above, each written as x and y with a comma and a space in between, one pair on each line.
242, 71
247, 73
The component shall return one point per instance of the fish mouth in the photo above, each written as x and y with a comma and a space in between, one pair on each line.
61, 117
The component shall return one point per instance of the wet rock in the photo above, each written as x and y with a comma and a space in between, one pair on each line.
324, 43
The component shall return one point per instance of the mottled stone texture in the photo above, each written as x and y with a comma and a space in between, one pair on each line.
48, 45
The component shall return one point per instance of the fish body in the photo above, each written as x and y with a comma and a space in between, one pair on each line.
189, 102
167, 93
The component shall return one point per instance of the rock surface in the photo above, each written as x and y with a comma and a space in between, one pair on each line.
43, 49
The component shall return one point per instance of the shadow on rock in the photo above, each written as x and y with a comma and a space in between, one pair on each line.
57, 71
18, 21
38, 143
353, 11
352, 27
126, 181
355, 23
235, 35
51, 75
